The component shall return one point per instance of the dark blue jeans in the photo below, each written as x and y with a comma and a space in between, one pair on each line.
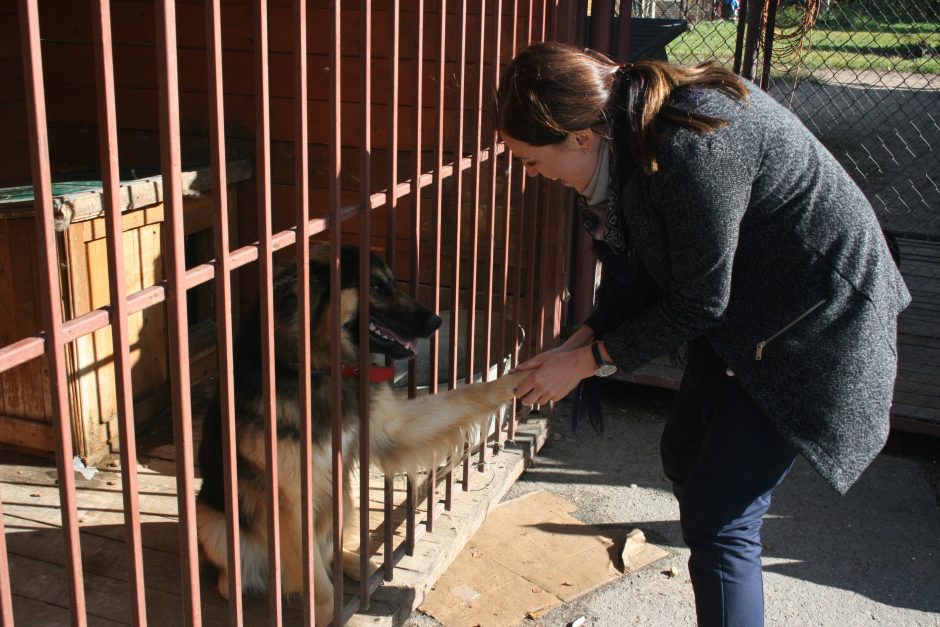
724, 459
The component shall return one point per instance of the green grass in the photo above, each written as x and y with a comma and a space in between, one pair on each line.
880, 46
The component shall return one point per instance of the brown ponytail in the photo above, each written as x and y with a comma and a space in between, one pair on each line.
551, 89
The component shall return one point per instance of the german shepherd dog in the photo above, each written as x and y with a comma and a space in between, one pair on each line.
404, 434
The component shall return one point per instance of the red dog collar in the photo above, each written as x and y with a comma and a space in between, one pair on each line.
377, 374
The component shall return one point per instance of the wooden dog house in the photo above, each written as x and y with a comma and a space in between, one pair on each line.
25, 400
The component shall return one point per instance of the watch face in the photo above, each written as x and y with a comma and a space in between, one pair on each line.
605, 370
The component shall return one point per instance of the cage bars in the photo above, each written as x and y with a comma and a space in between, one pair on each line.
108, 147
448, 160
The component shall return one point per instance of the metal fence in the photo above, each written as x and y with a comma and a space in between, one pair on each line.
864, 77
472, 234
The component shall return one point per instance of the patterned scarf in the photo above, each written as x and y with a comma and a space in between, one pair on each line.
591, 214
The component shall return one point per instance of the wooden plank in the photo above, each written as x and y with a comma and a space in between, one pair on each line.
25, 433
27, 611
9, 380
34, 497
99, 368
106, 598
82, 375
27, 305
102, 554
149, 371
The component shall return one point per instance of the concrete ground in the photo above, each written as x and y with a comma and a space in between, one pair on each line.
870, 557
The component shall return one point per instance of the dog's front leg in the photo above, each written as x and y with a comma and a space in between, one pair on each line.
322, 585
405, 434
352, 536
291, 551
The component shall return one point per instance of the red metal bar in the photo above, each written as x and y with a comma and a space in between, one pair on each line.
752, 37
490, 266
768, 48
602, 14
415, 231
580, 20
507, 192
365, 235
266, 298
477, 132
6, 596
388, 537
418, 60
623, 32
526, 200
739, 38
110, 177
391, 200
177, 329
223, 291
535, 203
524, 320
304, 339
543, 20
336, 385
391, 203
517, 303
52, 312
520, 176
436, 242
585, 264
458, 219
530, 20
549, 190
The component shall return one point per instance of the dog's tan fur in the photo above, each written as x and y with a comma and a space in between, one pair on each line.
404, 435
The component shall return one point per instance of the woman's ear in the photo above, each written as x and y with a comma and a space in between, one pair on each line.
585, 139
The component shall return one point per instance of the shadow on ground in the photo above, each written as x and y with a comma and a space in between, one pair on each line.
880, 541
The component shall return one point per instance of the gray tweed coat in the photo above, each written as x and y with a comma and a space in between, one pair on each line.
762, 243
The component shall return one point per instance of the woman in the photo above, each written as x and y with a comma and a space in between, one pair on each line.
721, 222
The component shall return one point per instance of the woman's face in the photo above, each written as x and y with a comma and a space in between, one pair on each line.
571, 161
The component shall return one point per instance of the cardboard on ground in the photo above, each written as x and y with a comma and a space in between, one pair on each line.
530, 556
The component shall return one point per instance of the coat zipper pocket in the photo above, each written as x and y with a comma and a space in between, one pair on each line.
759, 353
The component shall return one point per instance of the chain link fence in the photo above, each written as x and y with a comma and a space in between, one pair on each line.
866, 81
864, 77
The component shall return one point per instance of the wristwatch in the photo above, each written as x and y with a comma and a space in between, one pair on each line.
603, 368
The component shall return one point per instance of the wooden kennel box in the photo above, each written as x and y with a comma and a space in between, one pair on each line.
25, 398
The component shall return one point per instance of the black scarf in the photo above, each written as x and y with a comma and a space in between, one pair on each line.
625, 288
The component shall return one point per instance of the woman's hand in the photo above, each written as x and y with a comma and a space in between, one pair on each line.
554, 374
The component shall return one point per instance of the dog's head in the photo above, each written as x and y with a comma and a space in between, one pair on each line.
396, 320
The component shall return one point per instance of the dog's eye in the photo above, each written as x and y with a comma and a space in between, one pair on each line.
378, 286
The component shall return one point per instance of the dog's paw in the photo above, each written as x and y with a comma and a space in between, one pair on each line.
351, 566
222, 585
504, 388
323, 612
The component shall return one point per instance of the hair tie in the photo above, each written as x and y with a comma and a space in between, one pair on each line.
622, 69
